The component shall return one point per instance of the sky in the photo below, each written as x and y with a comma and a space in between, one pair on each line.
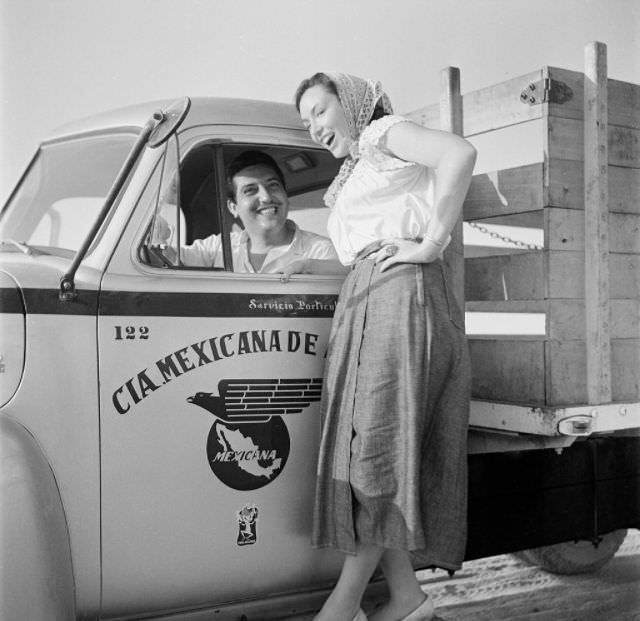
65, 59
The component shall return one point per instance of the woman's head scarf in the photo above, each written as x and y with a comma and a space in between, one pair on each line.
358, 98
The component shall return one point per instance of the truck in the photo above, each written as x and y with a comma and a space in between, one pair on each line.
159, 423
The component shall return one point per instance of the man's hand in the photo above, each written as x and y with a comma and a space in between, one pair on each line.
313, 266
295, 267
162, 231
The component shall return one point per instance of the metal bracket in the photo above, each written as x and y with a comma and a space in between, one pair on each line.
546, 90
67, 291
577, 425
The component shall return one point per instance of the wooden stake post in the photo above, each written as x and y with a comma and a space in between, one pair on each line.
596, 224
451, 121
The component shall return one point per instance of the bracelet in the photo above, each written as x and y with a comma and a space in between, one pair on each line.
433, 241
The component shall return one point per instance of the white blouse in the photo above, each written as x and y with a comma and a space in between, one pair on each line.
383, 197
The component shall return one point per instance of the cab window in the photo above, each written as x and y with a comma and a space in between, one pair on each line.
62, 193
194, 227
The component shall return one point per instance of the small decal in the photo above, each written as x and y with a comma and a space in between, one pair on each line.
247, 523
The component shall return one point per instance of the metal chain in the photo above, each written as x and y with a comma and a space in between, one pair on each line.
504, 238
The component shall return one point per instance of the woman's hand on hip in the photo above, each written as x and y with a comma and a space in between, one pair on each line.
406, 251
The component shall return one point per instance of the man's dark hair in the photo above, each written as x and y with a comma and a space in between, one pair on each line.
245, 160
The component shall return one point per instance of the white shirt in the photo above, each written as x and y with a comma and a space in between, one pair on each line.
383, 197
304, 245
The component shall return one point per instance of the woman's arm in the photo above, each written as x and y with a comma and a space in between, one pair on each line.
453, 158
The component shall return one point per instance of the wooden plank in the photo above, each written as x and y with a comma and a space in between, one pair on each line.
505, 192
428, 116
451, 121
566, 319
527, 219
506, 306
573, 80
565, 274
489, 108
508, 371
564, 230
547, 374
499, 106
567, 371
624, 104
566, 141
625, 362
521, 189
505, 277
596, 225
566, 186
472, 251
623, 99
522, 276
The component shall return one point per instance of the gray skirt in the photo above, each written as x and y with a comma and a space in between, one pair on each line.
392, 469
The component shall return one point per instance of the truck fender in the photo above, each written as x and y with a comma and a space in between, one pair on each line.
36, 577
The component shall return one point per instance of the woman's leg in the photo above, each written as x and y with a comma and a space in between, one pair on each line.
405, 593
344, 601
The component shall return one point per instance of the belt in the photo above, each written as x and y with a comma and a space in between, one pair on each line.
374, 246
369, 249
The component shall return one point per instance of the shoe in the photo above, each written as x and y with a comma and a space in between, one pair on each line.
360, 616
424, 612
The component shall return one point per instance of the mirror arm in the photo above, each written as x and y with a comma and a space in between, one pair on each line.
68, 291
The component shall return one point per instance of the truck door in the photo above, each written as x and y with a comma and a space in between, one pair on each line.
210, 382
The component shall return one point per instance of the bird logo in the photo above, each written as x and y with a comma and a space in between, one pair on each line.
248, 444
242, 401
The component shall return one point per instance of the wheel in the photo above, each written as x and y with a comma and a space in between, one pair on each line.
575, 557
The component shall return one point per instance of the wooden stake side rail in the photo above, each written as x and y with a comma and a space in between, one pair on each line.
584, 194
499, 106
559, 183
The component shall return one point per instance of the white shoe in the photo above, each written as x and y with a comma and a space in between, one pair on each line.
360, 616
424, 612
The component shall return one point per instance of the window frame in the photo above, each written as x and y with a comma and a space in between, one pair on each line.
193, 138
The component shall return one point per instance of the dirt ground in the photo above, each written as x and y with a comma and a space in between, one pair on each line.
502, 587
505, 588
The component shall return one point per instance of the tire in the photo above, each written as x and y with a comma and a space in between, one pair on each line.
575, 557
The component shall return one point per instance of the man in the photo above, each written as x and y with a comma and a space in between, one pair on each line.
269, 243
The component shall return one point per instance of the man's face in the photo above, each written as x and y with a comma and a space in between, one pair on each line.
261, 201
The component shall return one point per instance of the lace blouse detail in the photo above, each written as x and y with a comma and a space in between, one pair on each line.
372, 147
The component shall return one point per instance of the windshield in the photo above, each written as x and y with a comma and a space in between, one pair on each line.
63, 191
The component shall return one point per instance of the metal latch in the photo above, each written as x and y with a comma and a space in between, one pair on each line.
578, 425
546, 90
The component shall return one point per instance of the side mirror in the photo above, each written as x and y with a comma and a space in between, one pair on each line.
172, 118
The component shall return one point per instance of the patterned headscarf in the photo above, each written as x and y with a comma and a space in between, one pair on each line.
358, 98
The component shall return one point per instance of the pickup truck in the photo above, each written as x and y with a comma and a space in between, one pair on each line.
160, 423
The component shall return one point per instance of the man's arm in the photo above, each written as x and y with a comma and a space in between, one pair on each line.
319, 258
314, 266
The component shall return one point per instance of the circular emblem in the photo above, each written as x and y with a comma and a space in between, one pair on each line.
248, 456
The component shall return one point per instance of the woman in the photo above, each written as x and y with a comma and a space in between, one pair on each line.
392, 469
